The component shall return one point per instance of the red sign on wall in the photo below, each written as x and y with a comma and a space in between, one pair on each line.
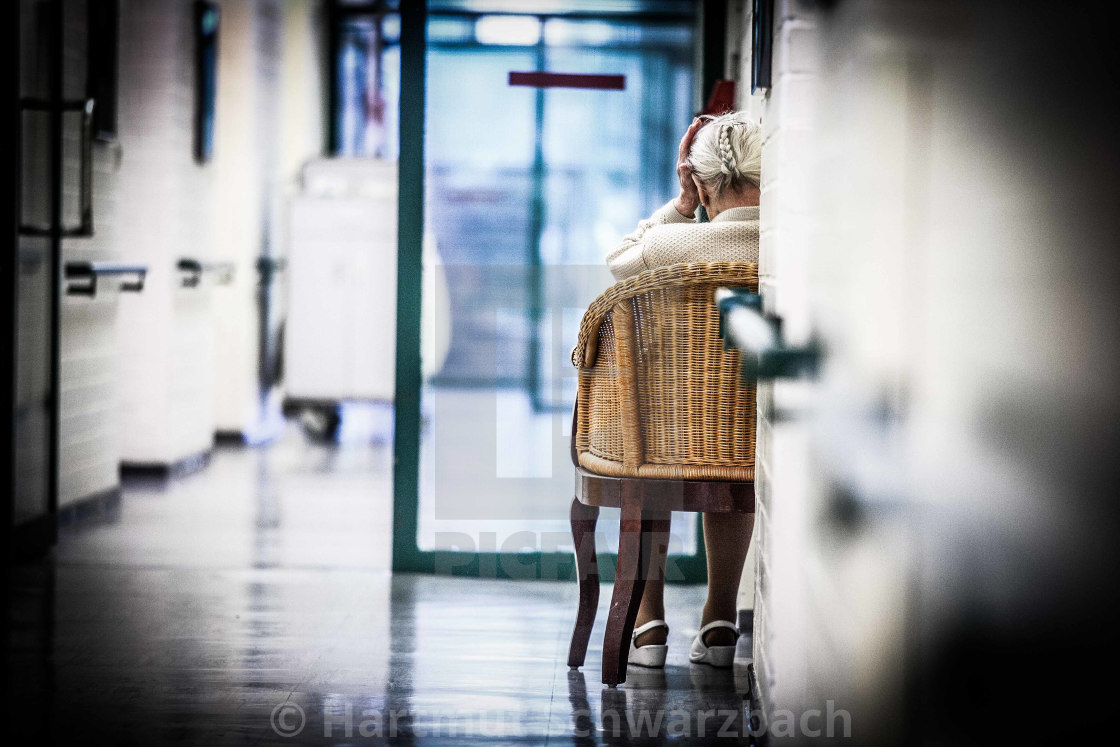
568, 80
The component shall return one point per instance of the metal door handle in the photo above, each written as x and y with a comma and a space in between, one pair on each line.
82, 277
195, 268
192, 269
766, 354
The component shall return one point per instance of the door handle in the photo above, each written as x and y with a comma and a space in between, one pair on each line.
766, 354
194, 269
84, 228
82, 277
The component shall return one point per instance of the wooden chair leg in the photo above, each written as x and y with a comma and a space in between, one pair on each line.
629, 584
583, 520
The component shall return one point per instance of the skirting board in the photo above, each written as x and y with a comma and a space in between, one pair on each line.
180, 468
231, 438
104, 505
756, 710
265, 433
744, 651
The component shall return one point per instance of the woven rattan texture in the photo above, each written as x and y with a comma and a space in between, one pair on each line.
695, 416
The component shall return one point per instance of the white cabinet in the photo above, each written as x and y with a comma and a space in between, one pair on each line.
340, 340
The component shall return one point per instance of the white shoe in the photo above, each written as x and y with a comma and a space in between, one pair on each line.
650, 655
716, 656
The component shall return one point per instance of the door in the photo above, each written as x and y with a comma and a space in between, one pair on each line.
35, 276
524, 188
50, 182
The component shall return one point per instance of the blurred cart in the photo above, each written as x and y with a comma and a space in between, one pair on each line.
340, 336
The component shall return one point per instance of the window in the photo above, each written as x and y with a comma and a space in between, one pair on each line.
365, 82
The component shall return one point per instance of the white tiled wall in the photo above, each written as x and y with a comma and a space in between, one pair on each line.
149, 384
928, 213
89, 396
166, 212
89, 451
242, 231
831, 606
269, 123
787, 113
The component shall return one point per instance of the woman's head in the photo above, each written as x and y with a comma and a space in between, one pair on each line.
726, 155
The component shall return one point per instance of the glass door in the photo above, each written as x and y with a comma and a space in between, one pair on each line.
526, 186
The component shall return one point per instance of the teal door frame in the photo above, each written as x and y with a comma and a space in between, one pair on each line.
407, 555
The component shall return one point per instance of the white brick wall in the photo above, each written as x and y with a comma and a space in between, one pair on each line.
271, 94
128, 388
931, 216
239, 159
820, 619
166, 211
89, 426
186, 355
142, 389
787, 112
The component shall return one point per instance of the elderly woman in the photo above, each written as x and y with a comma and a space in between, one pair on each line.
714, 218
719, 164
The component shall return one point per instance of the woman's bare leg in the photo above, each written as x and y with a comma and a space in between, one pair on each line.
726, 539
653, 598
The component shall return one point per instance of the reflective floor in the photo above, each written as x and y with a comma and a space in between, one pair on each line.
252, 603
494, 441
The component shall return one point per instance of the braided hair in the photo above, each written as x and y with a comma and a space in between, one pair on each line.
727, 164
727, 152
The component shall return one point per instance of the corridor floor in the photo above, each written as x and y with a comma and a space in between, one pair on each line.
251, 602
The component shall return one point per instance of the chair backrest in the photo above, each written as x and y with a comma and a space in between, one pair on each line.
659, 396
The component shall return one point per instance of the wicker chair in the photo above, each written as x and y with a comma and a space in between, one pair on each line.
663, 422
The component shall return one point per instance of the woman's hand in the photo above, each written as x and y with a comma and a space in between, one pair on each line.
689, 197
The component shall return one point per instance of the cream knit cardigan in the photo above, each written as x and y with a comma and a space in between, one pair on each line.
669, 238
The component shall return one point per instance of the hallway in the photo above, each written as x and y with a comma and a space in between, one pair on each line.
328, 326
189, 610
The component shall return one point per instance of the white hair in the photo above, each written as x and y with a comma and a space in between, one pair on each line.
727, 152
